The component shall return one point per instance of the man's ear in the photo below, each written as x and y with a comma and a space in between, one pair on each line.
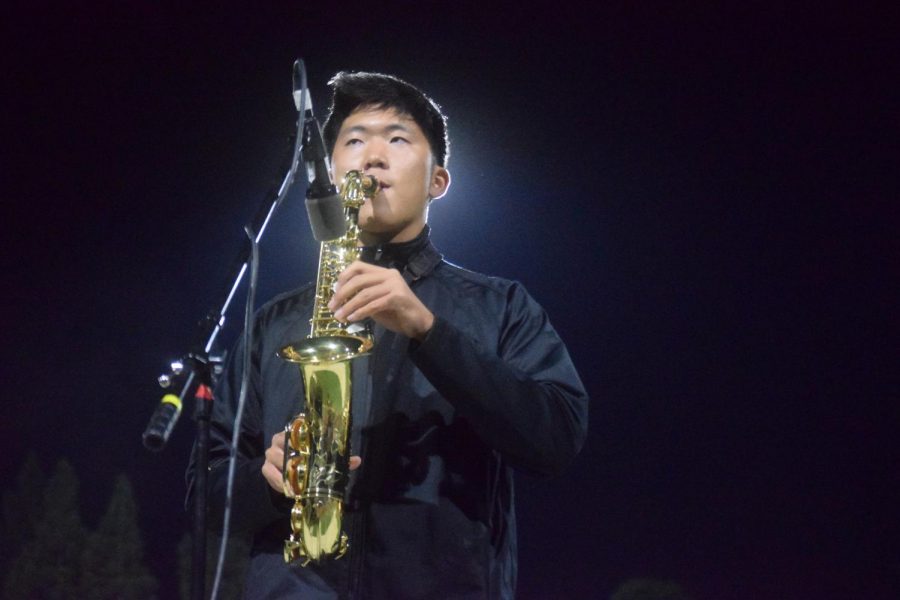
440, 182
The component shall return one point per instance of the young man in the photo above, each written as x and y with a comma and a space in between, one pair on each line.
467, 381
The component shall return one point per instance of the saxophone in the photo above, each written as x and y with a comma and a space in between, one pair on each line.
317, 445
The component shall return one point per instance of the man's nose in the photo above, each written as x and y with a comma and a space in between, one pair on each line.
375, 157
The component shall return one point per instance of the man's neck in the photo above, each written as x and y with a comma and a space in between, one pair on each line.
367, 238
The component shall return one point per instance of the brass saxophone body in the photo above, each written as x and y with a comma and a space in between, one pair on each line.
317, 441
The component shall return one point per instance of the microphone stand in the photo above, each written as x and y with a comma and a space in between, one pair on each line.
197, 370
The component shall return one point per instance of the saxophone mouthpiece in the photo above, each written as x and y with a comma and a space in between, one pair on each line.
370, 185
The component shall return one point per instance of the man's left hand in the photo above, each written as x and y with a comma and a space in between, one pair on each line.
365, 290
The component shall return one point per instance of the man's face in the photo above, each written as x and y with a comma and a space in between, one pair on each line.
393, 148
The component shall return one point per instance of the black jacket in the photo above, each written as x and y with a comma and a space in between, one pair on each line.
439, 425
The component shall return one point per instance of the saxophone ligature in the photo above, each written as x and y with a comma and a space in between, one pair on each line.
317, 440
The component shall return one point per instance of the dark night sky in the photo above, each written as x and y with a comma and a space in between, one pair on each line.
702, 200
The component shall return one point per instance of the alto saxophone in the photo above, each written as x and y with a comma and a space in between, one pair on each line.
317, 441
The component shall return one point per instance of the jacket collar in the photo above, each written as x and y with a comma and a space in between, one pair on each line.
415, 258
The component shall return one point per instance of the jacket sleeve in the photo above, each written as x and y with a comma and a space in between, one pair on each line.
524, 397
254, 503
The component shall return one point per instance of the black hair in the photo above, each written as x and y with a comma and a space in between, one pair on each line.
376, 90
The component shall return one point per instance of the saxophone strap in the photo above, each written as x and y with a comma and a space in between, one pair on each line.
415, 259
422, 264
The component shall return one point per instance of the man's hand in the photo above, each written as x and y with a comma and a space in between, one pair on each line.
365, 290
271, 469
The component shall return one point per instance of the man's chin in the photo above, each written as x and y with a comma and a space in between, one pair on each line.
372, 232
368, 224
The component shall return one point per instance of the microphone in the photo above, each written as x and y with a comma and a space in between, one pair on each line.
323, 203
162, 422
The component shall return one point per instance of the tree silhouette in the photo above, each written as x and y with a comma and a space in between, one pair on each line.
48, 565
21, 510
112, 561
649, 589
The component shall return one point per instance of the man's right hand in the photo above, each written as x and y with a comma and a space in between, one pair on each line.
271, 469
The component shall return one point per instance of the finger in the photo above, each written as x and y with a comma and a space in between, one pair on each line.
355, 461
375, 308
391, 279
353, 288
275, 456
345, 287
275, 452
358, 274
355, 268
389, 291
359, 278
273, 477
363, 303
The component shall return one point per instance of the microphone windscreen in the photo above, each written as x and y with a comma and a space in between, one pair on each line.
162, 422
302, 97
326, 217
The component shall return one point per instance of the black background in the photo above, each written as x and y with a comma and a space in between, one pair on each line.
702, 199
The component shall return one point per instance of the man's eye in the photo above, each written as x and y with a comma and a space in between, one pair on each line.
353, 142
397, 138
